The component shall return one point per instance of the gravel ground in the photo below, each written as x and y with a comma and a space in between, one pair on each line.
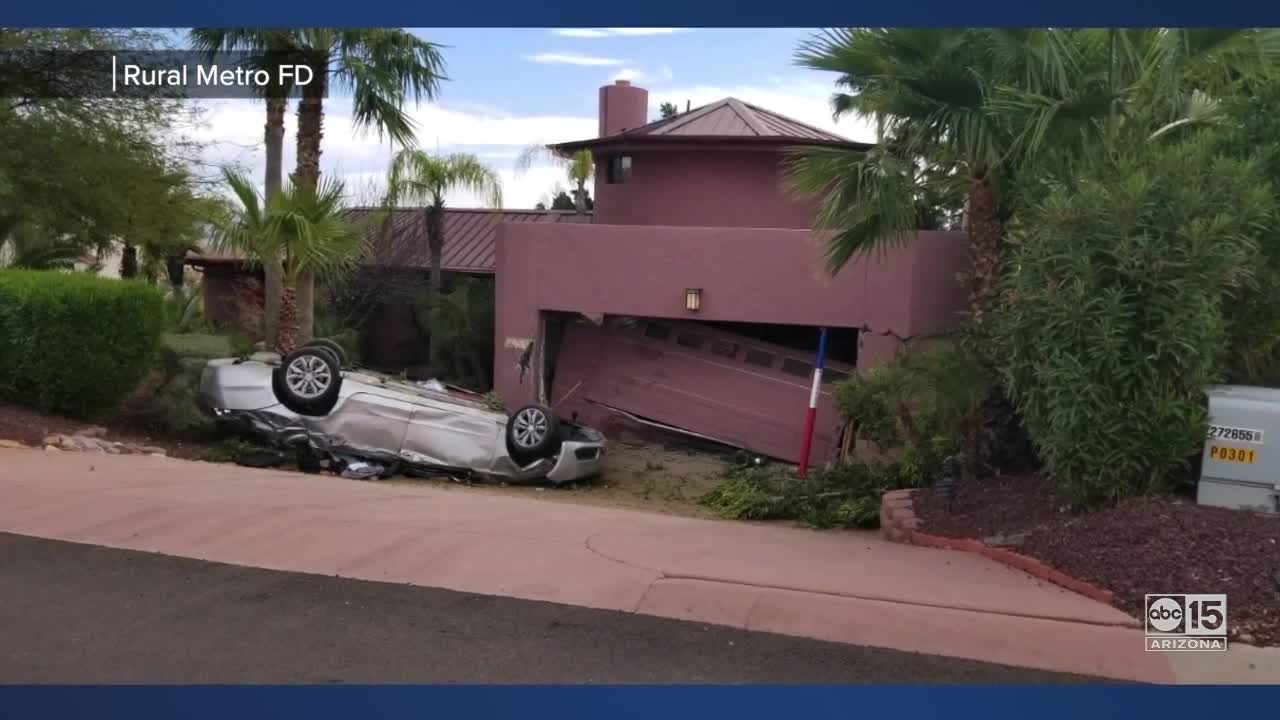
1147, 545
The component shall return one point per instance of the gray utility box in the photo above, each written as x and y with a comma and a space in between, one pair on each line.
1238, 468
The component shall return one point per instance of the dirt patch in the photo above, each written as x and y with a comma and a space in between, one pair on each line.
1142, 546
647, 476
642, 477
31, 427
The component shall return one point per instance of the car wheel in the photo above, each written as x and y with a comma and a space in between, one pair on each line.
533, 432
338, 351
307, 381
337, 359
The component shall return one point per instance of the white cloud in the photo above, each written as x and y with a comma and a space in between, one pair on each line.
662, 75
808, 101
234, 129
614, 32
571, 58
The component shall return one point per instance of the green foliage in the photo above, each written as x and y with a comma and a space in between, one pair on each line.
303, 226
1250, 129
924, 405
197, 345
74, 343
80, 173
184, 312
1115, 311
230, 449
845, 496
337, 327
462, 322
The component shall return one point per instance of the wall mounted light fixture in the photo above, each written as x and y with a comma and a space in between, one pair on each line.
693, 299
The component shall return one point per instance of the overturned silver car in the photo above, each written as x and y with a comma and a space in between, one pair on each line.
311, 402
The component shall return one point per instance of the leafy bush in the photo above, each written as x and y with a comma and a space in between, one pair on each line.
184, 311
74, 343
922, 406
1254, 317
197, 345
1112, 320
169, 401
845, 496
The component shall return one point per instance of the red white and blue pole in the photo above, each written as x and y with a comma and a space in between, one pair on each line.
812, 414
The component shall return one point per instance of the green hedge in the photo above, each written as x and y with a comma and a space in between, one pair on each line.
75, 343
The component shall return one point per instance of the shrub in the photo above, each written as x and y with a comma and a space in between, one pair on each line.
74, 343
846, 495
1112, 319
922, 406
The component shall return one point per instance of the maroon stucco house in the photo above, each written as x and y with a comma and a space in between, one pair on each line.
694, 296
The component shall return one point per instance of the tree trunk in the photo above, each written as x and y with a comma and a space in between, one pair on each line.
435, 244
307, 175
580, 199
305, 291
287, 328
129, 262
272, 274
175, 267
986, 247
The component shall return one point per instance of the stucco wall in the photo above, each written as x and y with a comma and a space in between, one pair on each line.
701, 188
746, 275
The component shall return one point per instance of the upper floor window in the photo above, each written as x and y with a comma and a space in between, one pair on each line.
619, 169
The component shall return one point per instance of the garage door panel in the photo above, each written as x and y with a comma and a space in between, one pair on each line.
696, 389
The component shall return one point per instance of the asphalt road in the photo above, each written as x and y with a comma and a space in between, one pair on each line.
83, 614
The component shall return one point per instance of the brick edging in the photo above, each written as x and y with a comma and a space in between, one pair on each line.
898, 523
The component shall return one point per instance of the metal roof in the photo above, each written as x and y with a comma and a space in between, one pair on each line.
728, 119
468, 237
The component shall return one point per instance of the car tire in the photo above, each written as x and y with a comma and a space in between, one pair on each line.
338, 351
337, 359
533, 432
308, 381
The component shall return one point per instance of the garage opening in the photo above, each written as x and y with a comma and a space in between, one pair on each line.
744, 384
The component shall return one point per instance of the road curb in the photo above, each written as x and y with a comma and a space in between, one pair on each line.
898, 523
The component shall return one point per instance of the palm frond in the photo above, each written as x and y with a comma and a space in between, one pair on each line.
867, 198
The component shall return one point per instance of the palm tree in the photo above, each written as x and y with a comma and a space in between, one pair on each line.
382, 68
418, 176
579, 168
261, 43
304, 227
973, 112
930, 91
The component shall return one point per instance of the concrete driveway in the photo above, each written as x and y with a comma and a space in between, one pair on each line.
844, 587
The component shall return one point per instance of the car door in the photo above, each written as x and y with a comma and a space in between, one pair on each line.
368, 420
444, 434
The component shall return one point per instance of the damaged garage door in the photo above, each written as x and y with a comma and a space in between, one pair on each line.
738, 389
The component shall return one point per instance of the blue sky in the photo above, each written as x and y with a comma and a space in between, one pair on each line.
511, 88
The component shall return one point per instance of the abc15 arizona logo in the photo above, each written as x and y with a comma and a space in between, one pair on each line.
1186, 622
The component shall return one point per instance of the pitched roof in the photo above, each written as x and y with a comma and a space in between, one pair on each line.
468, 238
725, 120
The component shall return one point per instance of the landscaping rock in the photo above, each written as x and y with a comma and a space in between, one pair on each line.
93, 431
51, 448
13, 445
91, 444
1002, 540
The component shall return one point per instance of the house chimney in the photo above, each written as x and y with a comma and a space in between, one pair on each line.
622, 107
